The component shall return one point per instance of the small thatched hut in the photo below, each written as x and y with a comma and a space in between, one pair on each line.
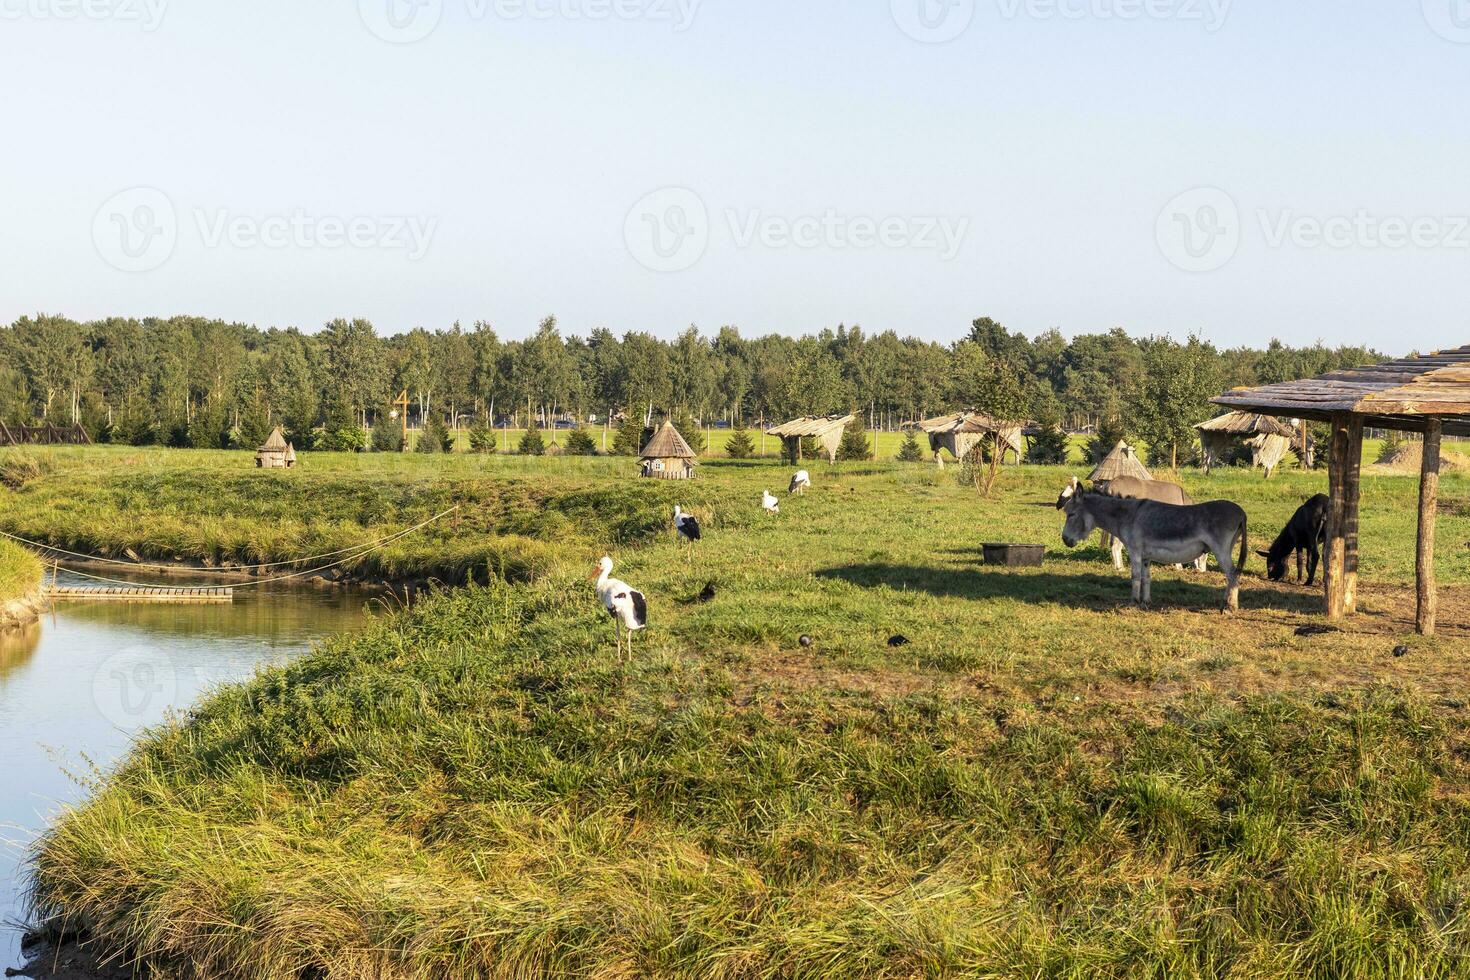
1232, 434
961, 432
667, 456
1122, 461
825, 429
275, 453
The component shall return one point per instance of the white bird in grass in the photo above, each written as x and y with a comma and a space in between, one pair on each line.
770, 503
623, 603
799, 482
686, 526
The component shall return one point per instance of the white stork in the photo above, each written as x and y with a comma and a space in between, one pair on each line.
625, 604
799, 482
770, 503
686, 527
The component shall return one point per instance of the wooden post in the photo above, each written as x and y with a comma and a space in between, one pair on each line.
1428, 604
1352, 470
1334, 559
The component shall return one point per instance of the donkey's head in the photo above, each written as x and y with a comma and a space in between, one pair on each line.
1080, 524
1275, 563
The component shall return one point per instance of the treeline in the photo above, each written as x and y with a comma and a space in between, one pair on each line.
190, 381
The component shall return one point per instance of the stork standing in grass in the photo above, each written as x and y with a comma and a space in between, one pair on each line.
625, 604
800, 480
686, 526
770, 503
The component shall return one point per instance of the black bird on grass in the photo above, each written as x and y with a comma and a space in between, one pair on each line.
707, 593
898, 640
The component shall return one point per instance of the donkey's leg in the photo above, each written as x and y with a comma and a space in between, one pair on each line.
1232, 576
1117, 547
1312, 557
1139, 570
1148, 583
1299, 557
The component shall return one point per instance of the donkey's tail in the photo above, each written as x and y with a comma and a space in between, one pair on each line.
1240, 563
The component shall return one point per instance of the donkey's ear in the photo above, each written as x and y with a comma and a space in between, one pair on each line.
1263, 554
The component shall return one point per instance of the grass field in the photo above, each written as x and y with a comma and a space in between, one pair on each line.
19, 571
1043, 782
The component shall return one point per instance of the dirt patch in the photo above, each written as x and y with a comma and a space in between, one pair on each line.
1408, 457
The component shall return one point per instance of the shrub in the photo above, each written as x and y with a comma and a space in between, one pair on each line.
691, 432
387, 435
854, 444
532, 443
482, 437
1049, 446
580, 443
910, 452
740, 445
629, 438
1110, 431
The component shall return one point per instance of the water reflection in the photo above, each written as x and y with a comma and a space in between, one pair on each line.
79, 685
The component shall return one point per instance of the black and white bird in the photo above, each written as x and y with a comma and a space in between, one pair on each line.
625, 604
770, 503
800, 480
686, 526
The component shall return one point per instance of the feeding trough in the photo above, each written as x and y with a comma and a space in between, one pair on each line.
1013, 555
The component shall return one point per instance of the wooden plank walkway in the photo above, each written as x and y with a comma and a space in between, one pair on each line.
137, 593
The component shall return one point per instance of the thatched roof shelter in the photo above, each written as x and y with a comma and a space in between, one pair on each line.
1429, 394
667, 456
1122, 461
1226, 436
960, 432
275, 453
825, 429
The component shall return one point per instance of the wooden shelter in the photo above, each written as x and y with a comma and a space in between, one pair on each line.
44, 434
1264, 436
1429, 394
275, 453
825, 429
1122, 461
667, 456
961, 432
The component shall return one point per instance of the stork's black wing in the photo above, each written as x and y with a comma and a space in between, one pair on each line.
640, 607
690, 528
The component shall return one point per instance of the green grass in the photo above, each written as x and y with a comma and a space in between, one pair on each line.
19, 572
1042, 783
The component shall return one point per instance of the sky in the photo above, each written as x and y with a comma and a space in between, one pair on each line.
1244, 170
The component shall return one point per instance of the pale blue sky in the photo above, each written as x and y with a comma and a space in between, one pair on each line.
517, 145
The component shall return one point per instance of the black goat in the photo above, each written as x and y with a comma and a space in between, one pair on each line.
1306, 531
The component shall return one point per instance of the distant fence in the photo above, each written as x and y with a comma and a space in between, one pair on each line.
45, 434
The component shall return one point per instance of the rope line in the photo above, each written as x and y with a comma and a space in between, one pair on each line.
358, 550
263, 564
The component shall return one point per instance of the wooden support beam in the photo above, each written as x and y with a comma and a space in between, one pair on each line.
1428, 604
1352, 486
1342, 470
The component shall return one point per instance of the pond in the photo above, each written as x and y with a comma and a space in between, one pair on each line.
76, 687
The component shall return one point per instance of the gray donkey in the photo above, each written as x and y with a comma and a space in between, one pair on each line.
1132, 487
1165, 534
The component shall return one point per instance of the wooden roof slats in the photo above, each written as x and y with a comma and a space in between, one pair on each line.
810, 426
667, 444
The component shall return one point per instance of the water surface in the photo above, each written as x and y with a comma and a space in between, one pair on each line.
76, 687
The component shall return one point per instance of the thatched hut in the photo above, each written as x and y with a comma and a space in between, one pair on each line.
667, 456
1122, 461
825, 429
1231, 435
961, 432
275, 453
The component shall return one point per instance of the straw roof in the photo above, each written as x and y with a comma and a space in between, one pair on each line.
1247, 424
967, 421
818, 425
275, 442
1122, 461
1392, 395
667, 444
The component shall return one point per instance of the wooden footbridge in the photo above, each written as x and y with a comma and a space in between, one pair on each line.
137, 593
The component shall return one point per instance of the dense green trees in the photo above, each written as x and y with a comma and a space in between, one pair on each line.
190, 380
